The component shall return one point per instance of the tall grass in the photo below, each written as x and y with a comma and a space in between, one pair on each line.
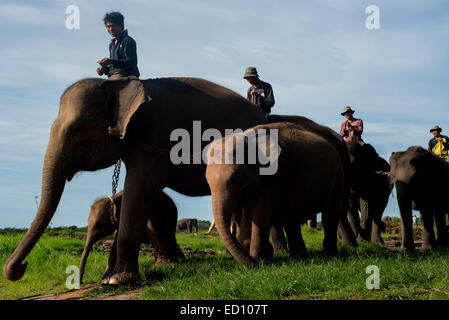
419, 275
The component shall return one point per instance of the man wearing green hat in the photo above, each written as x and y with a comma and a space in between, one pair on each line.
439, 144
351, 129
260, 93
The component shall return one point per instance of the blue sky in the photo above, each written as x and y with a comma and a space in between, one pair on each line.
318, 56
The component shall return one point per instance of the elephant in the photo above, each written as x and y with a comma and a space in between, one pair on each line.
370, 191
103, 222
150, 116
187, 224
309, 179
420, 178
277, 233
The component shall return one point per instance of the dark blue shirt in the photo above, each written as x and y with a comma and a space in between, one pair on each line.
123, 55
264, 99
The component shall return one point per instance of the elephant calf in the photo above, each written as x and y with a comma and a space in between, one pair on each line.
420, 178
309, 179
187, 224
160, 233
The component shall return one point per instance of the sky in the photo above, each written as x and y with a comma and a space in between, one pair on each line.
318, 55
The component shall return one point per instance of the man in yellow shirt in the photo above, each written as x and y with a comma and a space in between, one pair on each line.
439, 144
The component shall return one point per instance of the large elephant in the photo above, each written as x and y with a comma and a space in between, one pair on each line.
104, 220
187, 224
370, 191
309, 179
146, 114
420, 178
277, 234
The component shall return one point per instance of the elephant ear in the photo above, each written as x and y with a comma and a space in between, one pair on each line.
125, 96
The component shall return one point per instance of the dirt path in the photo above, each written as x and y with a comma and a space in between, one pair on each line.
81, 294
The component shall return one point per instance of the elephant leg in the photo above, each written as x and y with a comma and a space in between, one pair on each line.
330, 224
405, 209
441, 229
261, 215
278, 238
112, 259
261, 247
353, 216
243, 230
366, 218
428, 235
165, 247
377, 227
137, 197
345, 231
296, 246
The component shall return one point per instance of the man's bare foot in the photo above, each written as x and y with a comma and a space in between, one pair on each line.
113, 131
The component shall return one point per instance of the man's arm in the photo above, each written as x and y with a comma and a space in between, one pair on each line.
343, 132
130, 53
267, 102
430, 147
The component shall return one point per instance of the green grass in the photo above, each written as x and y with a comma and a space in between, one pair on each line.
419, 275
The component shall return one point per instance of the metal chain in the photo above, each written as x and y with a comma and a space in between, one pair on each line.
115, 179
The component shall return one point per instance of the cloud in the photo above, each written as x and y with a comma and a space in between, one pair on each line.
317, 55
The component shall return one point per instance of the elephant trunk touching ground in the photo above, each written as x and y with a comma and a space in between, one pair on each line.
53, 182
90, 241
223, 211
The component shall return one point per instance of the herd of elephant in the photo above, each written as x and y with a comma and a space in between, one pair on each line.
318, 172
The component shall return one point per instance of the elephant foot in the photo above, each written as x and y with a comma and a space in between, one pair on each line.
107, 273
330, 250
122, 278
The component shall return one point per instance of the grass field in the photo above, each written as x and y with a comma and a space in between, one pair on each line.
210, 273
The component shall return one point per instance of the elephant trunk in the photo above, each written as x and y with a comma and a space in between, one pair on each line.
53, 182
90, 241
222, 214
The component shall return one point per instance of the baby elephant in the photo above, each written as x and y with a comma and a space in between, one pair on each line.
187, 224
103, 222
304, 176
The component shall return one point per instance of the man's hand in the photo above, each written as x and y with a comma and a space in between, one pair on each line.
253, 92
100, 71
105, 62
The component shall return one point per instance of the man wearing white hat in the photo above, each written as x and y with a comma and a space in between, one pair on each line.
260, 93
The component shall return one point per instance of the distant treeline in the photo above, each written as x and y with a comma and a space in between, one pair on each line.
202, 224
61, 229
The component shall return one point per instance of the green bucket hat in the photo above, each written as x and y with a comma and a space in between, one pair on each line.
437, 128
250, 72
346, 110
